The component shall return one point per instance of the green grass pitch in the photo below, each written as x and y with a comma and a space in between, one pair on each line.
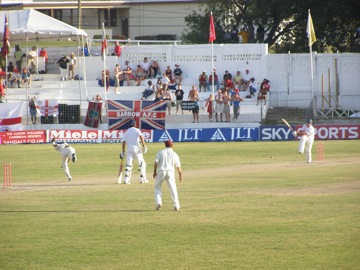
244, 205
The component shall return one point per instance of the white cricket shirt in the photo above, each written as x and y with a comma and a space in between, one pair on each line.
167, 160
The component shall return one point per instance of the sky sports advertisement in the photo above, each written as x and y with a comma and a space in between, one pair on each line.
236, 134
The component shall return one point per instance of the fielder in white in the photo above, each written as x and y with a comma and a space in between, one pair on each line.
164, 170
132, 139
67, 152
307, 135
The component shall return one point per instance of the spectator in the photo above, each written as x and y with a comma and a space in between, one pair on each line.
72, 62
237, 80
266, 83
117, 49
179, 95
165, 82
85, 51
228, 85
227, 76
226, 102
167, 96
128, 75
154, 69
10, 67
209, 107
145, 65
252, 87
216, 81
2, 89
18, 54
194, 96
262, 94
106, 76
43, 59
159, 94
139, 75
2, 73
32, 109
15, 78
246, 80
118, 77
169, 73
158, 84
203, 79
236, 99
177, 74
244, 35
219, 106
32, 60
260, 33
148, 91
26, 77
63, 62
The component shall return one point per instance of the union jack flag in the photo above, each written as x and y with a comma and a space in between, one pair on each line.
147, 114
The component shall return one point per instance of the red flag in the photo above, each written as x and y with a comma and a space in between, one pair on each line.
6, 44
212, 35
93, 115
104, 46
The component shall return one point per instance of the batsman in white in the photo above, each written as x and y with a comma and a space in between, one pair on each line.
67, 152
132, 139
307, 135
164, 170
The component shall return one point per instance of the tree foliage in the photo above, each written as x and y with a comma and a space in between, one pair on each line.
284, 23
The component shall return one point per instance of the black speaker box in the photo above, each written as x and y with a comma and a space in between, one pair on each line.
47, 119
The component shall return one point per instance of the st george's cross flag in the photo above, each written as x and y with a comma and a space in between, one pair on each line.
10, 116
147, 114
47, 107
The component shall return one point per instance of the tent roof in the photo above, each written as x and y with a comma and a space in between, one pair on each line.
36, 25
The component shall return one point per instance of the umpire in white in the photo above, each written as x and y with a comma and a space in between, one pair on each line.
132, 139
164, 170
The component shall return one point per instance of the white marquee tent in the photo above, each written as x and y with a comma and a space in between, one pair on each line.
33, 25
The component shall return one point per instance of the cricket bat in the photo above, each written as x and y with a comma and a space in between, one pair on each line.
120, 172
287, 124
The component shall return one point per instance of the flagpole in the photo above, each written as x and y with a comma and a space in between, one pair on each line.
312, 38
212, 37
104, 60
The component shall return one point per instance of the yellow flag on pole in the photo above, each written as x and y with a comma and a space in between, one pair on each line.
310, 30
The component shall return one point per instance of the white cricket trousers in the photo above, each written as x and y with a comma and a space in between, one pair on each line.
305, 145
66, 154
169, 177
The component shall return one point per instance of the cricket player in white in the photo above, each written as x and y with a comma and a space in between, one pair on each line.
164, 170
132, 139
67, 152
307, 135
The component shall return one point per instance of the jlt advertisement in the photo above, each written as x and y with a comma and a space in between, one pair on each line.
261, 133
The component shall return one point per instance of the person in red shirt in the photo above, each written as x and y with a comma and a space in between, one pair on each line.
44, 55
2, 89
117, 49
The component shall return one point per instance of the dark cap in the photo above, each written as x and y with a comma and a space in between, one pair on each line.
309, 121
168, 143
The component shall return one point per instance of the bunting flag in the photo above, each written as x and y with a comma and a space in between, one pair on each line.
93, 115
10, 116
104, 46
310, 30
6, 44
47, 107
147, 114
212, 35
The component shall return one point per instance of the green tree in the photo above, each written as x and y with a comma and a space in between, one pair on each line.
284, 23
